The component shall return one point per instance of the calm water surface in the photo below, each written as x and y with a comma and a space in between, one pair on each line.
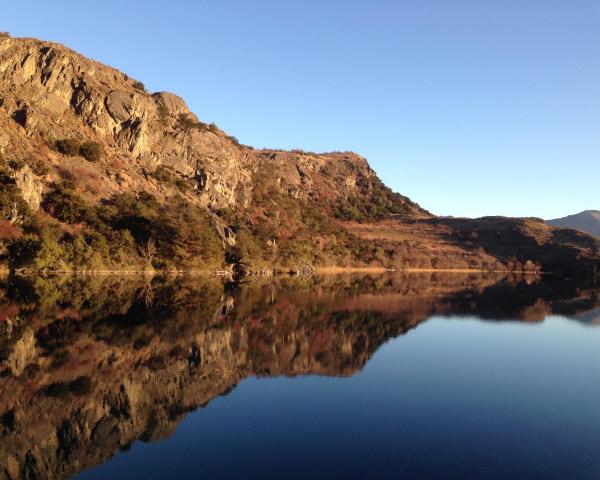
340, 377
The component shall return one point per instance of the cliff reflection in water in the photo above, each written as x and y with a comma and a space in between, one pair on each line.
88, 366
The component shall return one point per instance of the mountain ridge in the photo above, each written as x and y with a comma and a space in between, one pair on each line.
99, 174
587, 221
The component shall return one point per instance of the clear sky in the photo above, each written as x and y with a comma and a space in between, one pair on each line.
470, 107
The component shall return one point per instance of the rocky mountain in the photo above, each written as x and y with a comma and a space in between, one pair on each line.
96, 173
587, 221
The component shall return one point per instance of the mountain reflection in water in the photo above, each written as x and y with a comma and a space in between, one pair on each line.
90, 365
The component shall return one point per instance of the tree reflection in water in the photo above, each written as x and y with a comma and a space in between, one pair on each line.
90, 365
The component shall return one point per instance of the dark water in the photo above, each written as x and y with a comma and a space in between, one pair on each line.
419, 376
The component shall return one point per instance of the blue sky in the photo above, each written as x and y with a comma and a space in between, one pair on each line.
469, 107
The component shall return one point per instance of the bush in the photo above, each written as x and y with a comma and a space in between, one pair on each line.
164, 174
186, 122
67, 146
22, 252
38, 166
163, 115
374, 202
118, 232
139, 86
184, 234
16, 164
78, 387
170, 177
9, 231
91, 151
50, 254
65, 205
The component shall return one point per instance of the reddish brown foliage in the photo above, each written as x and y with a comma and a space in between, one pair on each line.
8, 231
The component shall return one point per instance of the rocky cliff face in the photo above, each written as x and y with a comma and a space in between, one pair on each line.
48, 91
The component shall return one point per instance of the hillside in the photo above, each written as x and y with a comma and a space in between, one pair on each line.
96, 173
587, 221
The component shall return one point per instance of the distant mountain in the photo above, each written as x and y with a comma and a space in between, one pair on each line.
587, 221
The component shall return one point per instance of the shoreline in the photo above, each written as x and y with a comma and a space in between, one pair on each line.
330, 270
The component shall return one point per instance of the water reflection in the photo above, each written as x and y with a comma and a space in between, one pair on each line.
90, 365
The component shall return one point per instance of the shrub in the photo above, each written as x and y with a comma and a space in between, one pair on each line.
16, 164
50, 252
91, 151
67, 146
9, 231
85, 178
78, 387
184, 234
139, 86
186, 122
22, 251
163, 115
164, 174
168, 176
247, 246
373, 202
38, 166
114, 233
64, 204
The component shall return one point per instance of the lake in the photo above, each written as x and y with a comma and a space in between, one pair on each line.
423, 375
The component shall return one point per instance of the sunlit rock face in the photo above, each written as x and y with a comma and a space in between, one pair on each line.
49, 91
90, 366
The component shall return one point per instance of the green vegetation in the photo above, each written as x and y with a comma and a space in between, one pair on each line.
163, 115
168, 176
375, 202
186, 122
139, 86
65, 205
140, 232
38, 166
132, 231
287, 232
91, 151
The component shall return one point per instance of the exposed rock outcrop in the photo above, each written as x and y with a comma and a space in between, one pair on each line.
31, 187
52, 92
